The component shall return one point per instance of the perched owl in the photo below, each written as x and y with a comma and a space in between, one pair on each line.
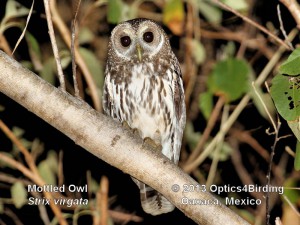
143, 87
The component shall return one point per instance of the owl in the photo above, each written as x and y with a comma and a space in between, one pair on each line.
143, 87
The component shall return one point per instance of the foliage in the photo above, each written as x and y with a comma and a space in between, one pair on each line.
285, 92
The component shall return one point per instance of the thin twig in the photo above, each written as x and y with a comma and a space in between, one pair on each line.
190, 72
291, 205
294, 8
36, 179
269, 172
240, 107
265, 107
61, 76
104, 200
210, 125
20, 146
282, 27
25, 28
253, 23
214, 165
94, 92
73, 38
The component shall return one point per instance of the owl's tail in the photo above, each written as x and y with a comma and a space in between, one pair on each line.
152, 201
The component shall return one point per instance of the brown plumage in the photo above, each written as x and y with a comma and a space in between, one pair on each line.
143, 87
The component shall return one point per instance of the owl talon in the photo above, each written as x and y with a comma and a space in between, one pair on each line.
133, 130
150, 142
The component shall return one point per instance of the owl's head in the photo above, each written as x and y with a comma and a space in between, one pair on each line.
137, 40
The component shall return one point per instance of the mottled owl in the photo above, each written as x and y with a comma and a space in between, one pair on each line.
143, 87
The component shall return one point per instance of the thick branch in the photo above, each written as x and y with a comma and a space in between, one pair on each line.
107, 140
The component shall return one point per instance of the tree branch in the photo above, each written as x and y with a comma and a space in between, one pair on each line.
108, 141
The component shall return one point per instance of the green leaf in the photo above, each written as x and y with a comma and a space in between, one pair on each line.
94, 66
297, 157
114, 13
46, 173
14, 9
173, 16
224, 153
191, 136
229, 50
85, 36
198, 51
291, 66
240, 5
48, 71
34, 50
229, 78
291, 192
206, 104
18, 194
286, 95
52, 161
294, 125
209, 11
18, 131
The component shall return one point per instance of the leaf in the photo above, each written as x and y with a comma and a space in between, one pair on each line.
240, 5
114, 13
18, 194
94, 66
198, 51
191, 136
46, 173
291, 66
52, 161
224, 153
291, 193
209, 11
206, 104
34, 51
267, 101
286, 95
14, 9
48, 71
85, 36
294, 125
297, 156
18, 132
173, 16
229, 78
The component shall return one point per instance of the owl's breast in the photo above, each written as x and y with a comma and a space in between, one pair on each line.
145, 102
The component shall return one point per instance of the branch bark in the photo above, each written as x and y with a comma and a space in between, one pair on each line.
108, 141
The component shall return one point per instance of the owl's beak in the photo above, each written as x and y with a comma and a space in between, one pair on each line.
139, 52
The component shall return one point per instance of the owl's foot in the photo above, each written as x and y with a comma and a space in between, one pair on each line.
133, 130
150, 142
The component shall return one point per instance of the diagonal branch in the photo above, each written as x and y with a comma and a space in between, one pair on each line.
109, 141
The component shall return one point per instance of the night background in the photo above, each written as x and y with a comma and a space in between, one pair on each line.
205, 37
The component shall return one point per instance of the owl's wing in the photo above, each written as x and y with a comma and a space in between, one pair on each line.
107, 100
180, 111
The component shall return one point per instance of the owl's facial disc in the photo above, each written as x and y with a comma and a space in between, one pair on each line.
150, 37
123, 40
137, 42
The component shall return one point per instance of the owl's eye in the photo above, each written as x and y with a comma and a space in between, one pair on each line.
148, 37
125, 41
